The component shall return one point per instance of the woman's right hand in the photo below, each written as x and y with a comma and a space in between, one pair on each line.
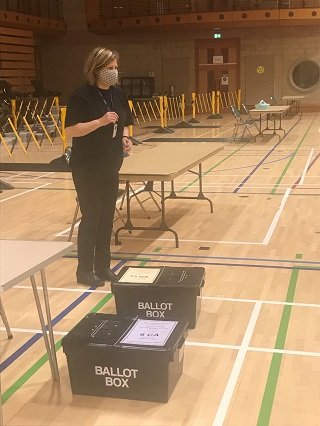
108, 117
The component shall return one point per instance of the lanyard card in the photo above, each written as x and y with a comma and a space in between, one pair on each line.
115, 128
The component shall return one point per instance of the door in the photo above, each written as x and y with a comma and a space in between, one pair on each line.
217, 65
259, 82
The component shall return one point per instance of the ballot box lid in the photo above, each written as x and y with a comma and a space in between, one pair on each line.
164, 276
113, 332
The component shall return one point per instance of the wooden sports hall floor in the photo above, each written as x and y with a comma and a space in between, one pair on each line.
254, 357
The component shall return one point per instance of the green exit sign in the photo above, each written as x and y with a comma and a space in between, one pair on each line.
217, 35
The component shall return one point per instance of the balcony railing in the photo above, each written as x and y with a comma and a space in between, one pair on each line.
51, 9
126, 8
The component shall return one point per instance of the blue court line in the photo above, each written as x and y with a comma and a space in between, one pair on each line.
264, 158
197, 256
246, 265
7, 362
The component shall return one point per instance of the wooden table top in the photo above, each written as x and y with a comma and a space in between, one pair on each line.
274, 109
167, 160
21, 259
293, 97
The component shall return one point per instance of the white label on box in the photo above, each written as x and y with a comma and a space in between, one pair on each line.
217, 59
140, 275
149, 333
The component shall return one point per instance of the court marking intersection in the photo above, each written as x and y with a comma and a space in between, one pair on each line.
242, 350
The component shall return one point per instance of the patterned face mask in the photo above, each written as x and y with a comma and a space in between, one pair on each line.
108, 77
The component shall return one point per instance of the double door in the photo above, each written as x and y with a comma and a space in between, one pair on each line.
217, 65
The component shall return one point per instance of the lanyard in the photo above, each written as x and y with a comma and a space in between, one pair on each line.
115, 126
109, 107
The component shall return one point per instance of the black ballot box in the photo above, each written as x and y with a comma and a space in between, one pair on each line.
123, 357
162, 292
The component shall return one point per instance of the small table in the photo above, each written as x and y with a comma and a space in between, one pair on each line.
164, 163
22, 259
294, 100
274, 111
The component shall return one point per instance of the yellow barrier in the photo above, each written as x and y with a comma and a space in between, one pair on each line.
27, 120
3, 141
63, 114
56, 126
218, 102
214, 102
44, 129
239, 99
147, 110
17, 136
165, 111
31, 133
183, 107
193, 105
14, 112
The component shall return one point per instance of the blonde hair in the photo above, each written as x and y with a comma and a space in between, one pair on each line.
97, 59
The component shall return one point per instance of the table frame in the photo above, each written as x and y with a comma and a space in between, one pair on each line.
275, 112
163, 226
47, 330
294, 101
140, 172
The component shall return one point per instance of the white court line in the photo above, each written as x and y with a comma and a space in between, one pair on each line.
191, 344
71, 290
212, 345
276, 218
194, 241
253, 349
284, 351
306, 168
231, 184
14, 176
32, 330
265, 302
25, 192
41, 176
236, 370
215, 175
62, 233
216, 298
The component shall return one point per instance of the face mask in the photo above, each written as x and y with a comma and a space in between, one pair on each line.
108, 77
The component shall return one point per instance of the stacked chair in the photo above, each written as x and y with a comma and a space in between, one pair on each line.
27, 117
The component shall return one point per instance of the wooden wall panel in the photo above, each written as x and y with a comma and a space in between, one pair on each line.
17, 58
93, 10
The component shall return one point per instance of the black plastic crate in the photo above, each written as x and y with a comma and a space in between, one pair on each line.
162, 292
100, 363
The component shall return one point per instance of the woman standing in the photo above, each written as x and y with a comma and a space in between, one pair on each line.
98, 116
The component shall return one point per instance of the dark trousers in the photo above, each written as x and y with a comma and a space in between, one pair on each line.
97, 199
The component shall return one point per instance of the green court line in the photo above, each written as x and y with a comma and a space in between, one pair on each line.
292, 158
213, 167
273, 375
38, 364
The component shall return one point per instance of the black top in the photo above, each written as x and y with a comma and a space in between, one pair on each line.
98, 153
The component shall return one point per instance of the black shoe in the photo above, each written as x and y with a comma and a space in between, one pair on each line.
90, 279
107, 275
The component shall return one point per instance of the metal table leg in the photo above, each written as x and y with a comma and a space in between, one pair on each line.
50, 348
5, 320
131, 227
200, 195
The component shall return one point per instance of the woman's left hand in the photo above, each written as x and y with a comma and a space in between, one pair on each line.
126, 144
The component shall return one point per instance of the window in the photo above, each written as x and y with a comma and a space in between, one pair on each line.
305, 75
